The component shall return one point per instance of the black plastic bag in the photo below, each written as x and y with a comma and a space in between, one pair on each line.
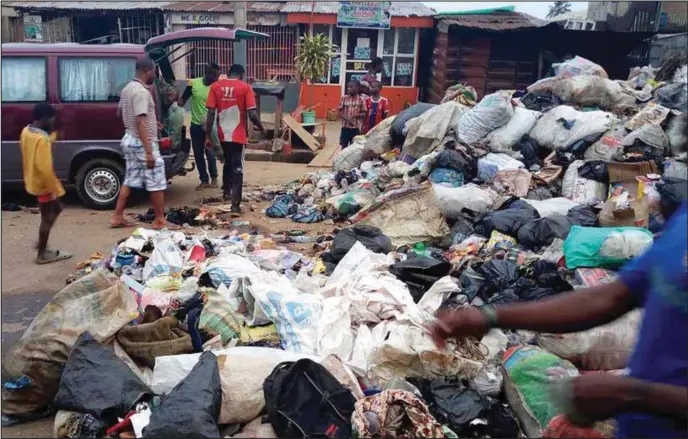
584, 216
546, 275
371, 237
192, 408
420, 273
673, 193
540, 193
541, 101
396, 131
542, 231
508, 221
504, 298
528, 149
499, 275
451, 159
458, 406
97, 382
461, 229
595, 170
471, 282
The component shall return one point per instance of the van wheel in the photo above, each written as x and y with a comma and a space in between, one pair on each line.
98, 182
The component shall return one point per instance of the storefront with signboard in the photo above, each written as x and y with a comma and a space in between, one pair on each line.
362, 31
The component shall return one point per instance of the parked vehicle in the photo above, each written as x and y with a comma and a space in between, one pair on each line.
83, 82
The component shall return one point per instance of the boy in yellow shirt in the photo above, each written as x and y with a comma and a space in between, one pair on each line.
40, 179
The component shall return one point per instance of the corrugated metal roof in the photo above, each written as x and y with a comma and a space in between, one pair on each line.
223, 6
88, 6
397, 9
573, 15
495, 21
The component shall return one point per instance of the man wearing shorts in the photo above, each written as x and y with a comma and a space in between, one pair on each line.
229, 101
40, 179
145, 168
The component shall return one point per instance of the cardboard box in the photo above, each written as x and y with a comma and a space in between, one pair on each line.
637, 215
592, 277
626, 173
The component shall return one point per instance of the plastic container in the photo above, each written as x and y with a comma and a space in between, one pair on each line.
308, 117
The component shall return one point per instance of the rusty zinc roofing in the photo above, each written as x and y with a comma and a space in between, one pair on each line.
87, 6
494, 21
397, 9
223, 6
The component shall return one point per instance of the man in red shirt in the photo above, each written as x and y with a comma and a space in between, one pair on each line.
229, 101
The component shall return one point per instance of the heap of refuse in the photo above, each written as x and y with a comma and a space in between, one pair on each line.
514, 198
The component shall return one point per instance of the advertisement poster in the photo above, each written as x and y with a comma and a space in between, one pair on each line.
33, 28
364, 15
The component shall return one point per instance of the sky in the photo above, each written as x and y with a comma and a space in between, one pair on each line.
537, 9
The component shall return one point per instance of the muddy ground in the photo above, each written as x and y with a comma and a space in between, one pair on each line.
26, 287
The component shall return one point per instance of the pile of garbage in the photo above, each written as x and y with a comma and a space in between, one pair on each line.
514, 198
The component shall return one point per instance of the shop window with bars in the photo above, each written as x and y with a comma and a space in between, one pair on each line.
272, 58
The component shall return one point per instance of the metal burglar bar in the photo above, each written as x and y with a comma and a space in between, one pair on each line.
220, 52
272, 58
267, 59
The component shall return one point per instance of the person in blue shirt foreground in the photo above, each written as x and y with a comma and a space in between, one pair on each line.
652, 401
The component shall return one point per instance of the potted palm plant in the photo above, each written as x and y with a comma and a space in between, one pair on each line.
312, 61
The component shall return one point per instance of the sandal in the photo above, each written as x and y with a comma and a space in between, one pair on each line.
51, 256
202, 186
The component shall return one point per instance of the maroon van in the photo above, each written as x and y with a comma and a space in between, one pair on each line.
83, 82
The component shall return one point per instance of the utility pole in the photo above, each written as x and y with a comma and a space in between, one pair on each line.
240, 56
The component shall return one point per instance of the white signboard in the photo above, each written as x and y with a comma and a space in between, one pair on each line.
197, 19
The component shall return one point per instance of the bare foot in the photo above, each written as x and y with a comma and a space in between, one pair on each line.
121, 224
160, 225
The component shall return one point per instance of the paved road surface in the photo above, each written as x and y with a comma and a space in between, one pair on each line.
26, 287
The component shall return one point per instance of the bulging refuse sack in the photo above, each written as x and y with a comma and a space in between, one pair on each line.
420, 274
528, 387
553, 206
146, 341
678, 134
606, 347
592, 247
590, 91
192, 408
563, 126
504, 138
491, 164
350, 157
582, 190
542, 232
507, 220
514, 182
371, 237
98, 303
95, 381
379, 139
453, 201
397, 130
579, 66
493, 111
406, 215
226, 267
426, 132
242, 373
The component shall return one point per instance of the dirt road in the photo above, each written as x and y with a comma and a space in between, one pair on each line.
26, 287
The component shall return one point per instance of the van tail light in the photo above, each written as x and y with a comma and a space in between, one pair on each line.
165, 143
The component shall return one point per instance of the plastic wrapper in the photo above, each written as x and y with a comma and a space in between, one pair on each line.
583, 246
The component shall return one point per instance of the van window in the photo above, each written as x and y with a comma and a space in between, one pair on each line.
24, 79
94, 79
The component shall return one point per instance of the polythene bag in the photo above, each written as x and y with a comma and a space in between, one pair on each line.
493, 111
226, 267
166, 259
563, 126
492, 163
582, 190
396, 131
470, 197
508, 220
350, 157
542, 232
606, 347
582, 248
96, 381
379, 139
192, 408
552, 206
371, 237
98, 303
420, 273
503, 138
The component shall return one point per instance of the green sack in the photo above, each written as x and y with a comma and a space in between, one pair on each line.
583, 244
175, 123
